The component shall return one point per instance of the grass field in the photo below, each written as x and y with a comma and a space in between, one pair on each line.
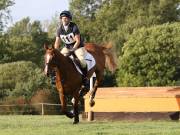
60, 125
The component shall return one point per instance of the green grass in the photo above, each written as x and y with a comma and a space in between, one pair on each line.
60, 125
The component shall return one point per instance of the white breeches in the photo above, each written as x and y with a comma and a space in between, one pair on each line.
80, 53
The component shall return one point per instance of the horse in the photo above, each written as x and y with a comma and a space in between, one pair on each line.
69, 80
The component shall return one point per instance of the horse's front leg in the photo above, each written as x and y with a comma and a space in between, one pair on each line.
92, 94
64, 106
62, 96
75, 108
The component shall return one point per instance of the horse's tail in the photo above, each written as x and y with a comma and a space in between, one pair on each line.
110, 60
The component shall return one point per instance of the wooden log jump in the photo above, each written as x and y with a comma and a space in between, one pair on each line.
134, 103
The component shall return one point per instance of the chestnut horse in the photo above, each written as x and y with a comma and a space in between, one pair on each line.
69, 80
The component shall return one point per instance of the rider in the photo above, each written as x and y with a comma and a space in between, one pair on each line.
69, 33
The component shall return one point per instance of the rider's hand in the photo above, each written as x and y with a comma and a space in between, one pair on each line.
71, 51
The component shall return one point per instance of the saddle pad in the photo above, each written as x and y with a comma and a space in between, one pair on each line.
89, 60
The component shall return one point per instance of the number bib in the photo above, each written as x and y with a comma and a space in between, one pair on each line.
68, 39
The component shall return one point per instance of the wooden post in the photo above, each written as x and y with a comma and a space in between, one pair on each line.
90, 116
42, 108
91, 113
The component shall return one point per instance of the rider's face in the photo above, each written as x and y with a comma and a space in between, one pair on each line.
65, 20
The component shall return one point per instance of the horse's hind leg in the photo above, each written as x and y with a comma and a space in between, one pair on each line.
99, 78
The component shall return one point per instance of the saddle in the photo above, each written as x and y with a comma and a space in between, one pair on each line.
78, 63
90, 61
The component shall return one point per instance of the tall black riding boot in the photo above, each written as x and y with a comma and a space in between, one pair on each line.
85, 80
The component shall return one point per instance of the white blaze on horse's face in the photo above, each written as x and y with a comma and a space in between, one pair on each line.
48, 58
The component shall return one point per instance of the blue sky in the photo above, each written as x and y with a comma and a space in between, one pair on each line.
37, 9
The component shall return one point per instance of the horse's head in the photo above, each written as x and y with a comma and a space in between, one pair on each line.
49, 59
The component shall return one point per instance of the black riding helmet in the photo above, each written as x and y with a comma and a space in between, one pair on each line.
66, 14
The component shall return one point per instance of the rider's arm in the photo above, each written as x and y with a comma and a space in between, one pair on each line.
57, 43
77, 39
77, 36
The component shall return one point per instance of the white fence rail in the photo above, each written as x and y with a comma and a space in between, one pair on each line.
42, 108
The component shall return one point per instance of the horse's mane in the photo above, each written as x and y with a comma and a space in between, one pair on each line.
63, 58
59, 54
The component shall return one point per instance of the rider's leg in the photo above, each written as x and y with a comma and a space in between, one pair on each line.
80, 53
65, 51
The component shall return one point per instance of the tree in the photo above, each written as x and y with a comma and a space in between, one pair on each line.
151, 57
4, 12
20, 79
116, 21
25, 41
4, 15
4, 54
86, 8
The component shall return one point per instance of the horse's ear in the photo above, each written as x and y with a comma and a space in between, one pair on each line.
45, 46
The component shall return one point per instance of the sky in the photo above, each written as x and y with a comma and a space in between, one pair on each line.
37, 9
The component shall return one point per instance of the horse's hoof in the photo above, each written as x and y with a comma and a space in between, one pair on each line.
76, 122
92, 103
70, 115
